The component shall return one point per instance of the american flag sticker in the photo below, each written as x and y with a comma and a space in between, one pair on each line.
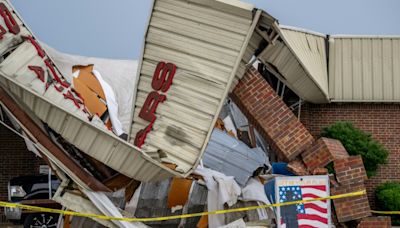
303, 215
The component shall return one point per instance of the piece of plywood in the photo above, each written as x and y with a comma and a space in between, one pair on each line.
179, 192
90, 99
87, 78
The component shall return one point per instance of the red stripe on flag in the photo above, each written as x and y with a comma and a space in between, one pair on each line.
319, 187
313, 217
310, 195
307, 226
315, 207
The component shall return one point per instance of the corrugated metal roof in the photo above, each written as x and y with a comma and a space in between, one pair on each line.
205, 39
310, 49
299, 60
364, 68
232, 157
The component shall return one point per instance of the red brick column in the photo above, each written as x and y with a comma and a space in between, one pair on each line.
273, 119
350, 174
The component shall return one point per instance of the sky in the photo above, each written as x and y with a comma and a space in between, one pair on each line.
116, 29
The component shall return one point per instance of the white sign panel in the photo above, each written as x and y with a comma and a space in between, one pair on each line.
309, 214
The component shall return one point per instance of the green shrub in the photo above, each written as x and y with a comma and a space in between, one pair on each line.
358, 142
387, 197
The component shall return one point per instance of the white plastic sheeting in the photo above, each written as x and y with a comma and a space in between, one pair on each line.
222, 190
119, 74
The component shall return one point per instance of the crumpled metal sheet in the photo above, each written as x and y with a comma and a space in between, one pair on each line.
232, 157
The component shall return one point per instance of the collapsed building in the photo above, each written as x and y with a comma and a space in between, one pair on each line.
223, 95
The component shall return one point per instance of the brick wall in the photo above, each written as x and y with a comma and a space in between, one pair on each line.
15, 160
381, 120
272, 118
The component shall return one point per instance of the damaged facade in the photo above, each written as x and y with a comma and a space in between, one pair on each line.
223, 94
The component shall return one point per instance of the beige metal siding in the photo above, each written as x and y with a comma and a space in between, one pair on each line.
310, 49
298, 58
364, 69
249, 53
205, 39
294, 76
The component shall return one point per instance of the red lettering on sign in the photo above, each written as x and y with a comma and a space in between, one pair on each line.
164, 80
38, 71
69, 95
49, 64
39, 49
2, 32
58, 88
141, 135
150, 106
79, 95
9, 20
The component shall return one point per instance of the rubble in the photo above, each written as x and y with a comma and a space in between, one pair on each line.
199, 128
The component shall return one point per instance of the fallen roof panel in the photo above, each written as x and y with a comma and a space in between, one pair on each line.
199, 44
232, 157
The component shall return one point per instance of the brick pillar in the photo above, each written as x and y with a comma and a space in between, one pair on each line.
350, 175
272, 118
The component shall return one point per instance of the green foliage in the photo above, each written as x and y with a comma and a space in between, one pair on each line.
330, 168
388, 199
358, 142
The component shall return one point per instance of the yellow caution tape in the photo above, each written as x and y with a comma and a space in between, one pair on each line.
386, 212
103, 217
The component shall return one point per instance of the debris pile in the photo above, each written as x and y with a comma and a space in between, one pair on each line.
200, 128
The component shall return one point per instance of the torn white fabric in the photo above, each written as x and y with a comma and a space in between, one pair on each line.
254, 191
119, 74
229, 190
104, 204
221, 189
112, 104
